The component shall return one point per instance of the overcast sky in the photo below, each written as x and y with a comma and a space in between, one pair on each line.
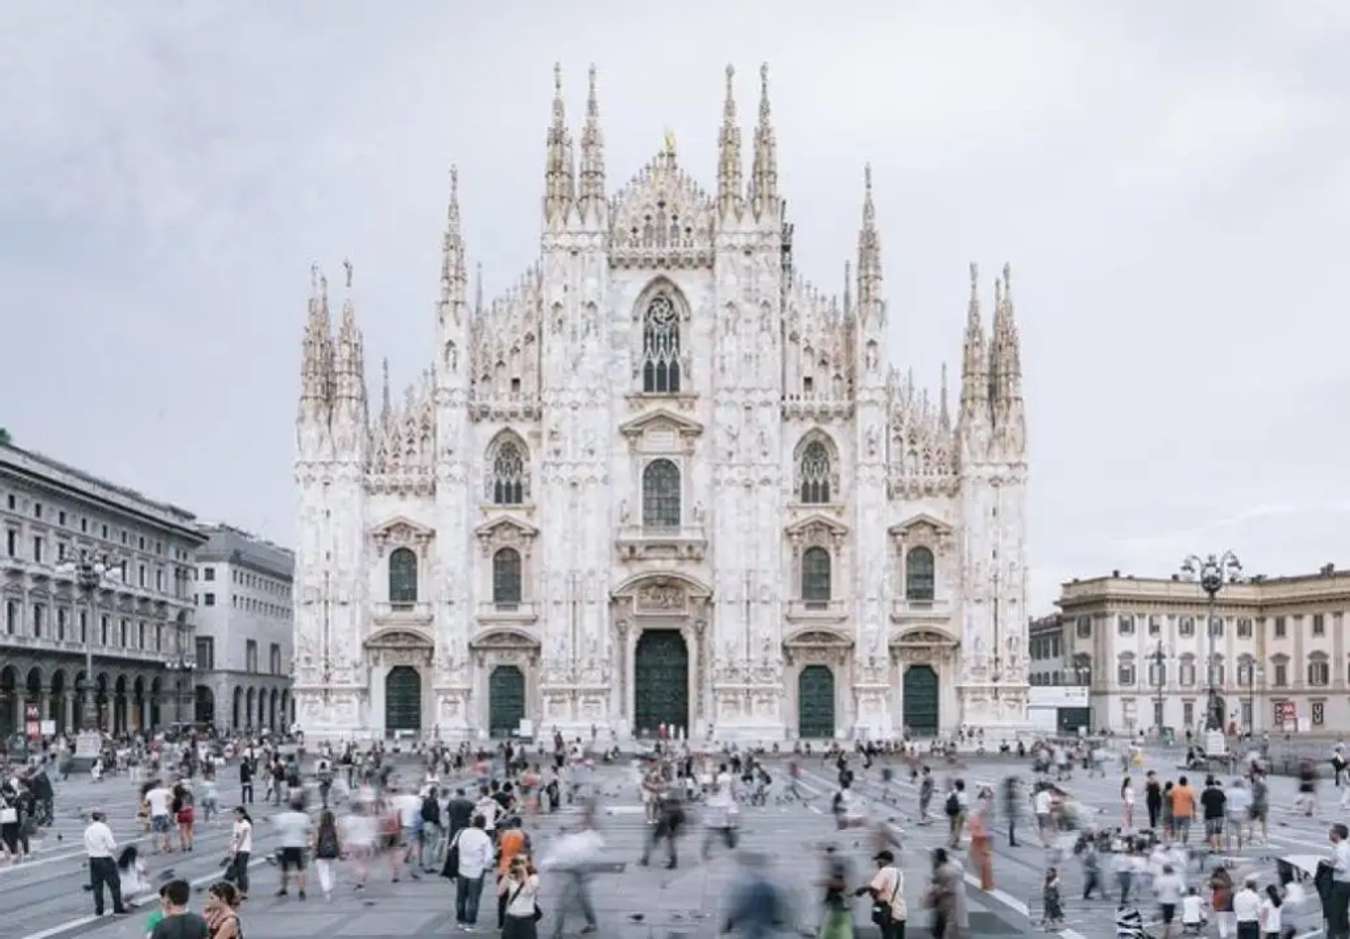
1171, 183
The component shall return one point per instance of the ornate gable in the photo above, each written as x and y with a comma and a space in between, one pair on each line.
401, 531
921, 529
662, 431
506, 531
816, 529
662, 218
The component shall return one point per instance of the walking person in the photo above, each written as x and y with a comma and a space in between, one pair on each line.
573, 857
1259, 812
1127, 806
982, 842
955, 808
1012, 806
1221, 900
1123, 867
327, 850
887, 888
471, 854
1214, 803
245, 780
179, 922
1271, 914
926, 787
510, 845
99, 846
160, 800
1052, 915
837, 921
1167, 888
1153, 799
1247, 910
1183, 809
241, 848
1092, 867
520, 886
668, 826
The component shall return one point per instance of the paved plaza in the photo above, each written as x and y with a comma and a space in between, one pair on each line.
45, 897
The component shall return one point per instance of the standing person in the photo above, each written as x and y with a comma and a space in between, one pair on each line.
887, 888
510, 845
926, 787
241, 847
99, 846
1127, 806
179, 922
184, 814
1123, 866
1271, 915
955, 807
221, 911
1238, 806
1183, 809
458, 813
327, 850
1153, 799
1337, 912
431, 831
1052, 915
1214, 803
1221, 900
245, 780
1167, 888
1012, 806
473, 848
159, 799
1092, 866
1042, 803
520, 886
1260, 807
982, 843
1247, 910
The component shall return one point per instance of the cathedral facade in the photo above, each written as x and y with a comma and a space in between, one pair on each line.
661, 480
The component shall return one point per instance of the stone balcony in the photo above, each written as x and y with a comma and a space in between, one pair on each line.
644, 543
817, 611
522, 611
904, 610
402, 614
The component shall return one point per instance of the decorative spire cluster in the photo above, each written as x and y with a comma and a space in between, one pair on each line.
332, 376
730, 198
764, 178
869, 259
591, 192
991, 371
559, 175
316, 366
453, 277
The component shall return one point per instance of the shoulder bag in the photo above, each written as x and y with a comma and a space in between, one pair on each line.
881, 911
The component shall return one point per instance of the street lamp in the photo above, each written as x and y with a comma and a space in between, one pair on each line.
1212, 572
89, 574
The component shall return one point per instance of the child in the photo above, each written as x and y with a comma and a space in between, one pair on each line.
1192, 913
1053, 917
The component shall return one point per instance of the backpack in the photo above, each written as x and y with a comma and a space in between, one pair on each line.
953, 804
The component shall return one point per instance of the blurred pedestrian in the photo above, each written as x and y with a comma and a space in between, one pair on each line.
1052, 916
327, 850
520, 887
837, 922
573, 858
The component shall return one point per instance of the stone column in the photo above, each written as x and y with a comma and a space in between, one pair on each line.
46, 710
68, 718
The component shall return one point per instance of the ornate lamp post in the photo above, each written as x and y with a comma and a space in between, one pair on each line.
1212, 573
89, 574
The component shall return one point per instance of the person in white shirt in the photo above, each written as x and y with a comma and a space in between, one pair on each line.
474, 849
1192, 912
1238, 805
241, 846
488, 807
1167, 888
520, 886
1272, 916
159, 798
1247, 910
99, 845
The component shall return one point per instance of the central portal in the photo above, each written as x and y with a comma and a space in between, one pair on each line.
661, 681
402, 699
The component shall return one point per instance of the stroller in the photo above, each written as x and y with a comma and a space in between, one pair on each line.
1130, 924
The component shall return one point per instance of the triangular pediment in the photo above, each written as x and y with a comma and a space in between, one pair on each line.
400, 525
684, 426
817, 520
506, 522
398, 639
818, 636
504, 639
921, 520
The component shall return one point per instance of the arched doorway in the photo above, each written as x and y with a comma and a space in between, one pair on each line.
506, 700
921, 701
34, 695
248, 714
402, 699
101, 701
272, 709
59, 699
815, 702
205, 710
120, 705
9, 700
154, 704
138, 704
238, 706
660, 681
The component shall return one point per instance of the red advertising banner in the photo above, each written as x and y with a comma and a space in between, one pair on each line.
32, 719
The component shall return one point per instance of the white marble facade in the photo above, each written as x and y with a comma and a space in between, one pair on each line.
662, 474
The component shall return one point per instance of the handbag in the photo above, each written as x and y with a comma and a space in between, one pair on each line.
881, 912
451, 868
538, 913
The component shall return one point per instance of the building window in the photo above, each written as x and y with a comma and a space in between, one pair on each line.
10, 501
84, 525
61, 617
124, 633
37, 549
1157, 714
1083, 627
208, 599
1155, 625
1157, 674
1319, 672
1319, 713
105, 531
159, 637
274, 659
103, 630
208, 573
140, 635
206, 653
816, 575
1216, 626
1082, 669
37, 510
1125, 672
1281, 675
141, 543
84, 626
661, 495
1187, 713
1186, 673
11, 542
251, 656
159, 580
1279, 627
1216, 671
1187, 626
39, 618
919, 574
815, 473
1319, 625
61, 517
661, 347
140, 575
509, 483
402, 576
1244, 627
1125, 625
506, 576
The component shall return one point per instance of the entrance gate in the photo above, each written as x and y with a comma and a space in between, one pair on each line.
815, 702
661, 681
506, 700
403, 699
921, 700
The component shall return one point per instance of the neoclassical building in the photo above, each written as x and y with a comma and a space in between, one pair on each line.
661, 479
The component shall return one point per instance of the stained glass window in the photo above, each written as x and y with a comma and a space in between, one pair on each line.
402, 576
508, 484
661, 495
919, 574
661, 347
506, 576
815, 574
815, 473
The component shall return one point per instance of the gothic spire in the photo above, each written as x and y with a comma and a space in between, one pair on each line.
316, 367
559, 180
974, 377
591, 191
944, 416
1006, 365
848, 287
478, 290
764, 179
729, 194
869, 254
384, 394
452, 252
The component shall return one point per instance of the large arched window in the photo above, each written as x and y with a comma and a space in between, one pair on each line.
402, 576
506, 576
661, 495
508, 480
919, 574
661, 346
816, 575
815, 473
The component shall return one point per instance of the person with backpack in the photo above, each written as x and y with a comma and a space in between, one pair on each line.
955, 808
